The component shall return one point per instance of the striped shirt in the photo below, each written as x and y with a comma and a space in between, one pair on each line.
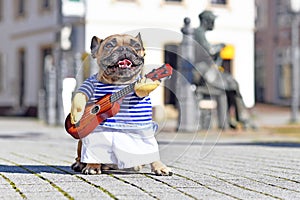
133, 109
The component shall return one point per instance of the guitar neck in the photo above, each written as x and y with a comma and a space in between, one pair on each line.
156, 74
120, 94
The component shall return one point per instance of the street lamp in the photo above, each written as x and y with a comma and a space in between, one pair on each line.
295, 9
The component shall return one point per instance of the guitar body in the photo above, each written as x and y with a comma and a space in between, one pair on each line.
93, 115
107, 106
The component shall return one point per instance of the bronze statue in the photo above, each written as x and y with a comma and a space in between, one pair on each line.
207, 22
207, 61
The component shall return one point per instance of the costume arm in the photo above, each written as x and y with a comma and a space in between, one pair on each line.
84, 93
144, 86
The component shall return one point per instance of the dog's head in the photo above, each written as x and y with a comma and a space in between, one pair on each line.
119, 57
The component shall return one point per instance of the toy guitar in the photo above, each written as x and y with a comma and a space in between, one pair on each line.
107, 106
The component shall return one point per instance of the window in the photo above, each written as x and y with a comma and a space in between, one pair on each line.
283, 72
1, 9
20, 6
259, 76
219, 2
285, 77
261, 14
126, 0
1, 72
45, 51
172, 2
22, 67
134, 1
45, 5
282, 17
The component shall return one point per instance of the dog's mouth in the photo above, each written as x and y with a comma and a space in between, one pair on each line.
124, 64
122, 67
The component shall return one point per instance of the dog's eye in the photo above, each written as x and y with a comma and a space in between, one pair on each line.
137, 46
109, 45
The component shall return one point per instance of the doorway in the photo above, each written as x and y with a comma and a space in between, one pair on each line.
170, 56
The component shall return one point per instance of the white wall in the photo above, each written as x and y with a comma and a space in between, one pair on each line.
235, 25
160, 23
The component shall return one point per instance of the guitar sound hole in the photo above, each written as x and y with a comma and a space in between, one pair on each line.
95, 109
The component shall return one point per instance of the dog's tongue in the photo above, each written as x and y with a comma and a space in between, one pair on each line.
125, 63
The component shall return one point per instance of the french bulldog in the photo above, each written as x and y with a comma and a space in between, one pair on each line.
120, 59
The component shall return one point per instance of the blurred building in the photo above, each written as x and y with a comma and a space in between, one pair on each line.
31, 29
273, 58
27, 35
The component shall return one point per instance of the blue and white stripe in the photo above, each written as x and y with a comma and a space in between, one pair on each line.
133, 110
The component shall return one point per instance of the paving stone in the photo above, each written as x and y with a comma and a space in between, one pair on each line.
35, 164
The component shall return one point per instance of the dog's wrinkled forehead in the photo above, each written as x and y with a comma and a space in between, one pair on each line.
123, 40
111, 42
126, 40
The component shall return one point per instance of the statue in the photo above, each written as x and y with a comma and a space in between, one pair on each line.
207, 21
207, 62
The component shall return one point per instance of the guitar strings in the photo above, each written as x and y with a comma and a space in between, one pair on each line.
113, 98
118, 95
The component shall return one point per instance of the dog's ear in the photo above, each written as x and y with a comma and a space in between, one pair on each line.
95, 44
138, 36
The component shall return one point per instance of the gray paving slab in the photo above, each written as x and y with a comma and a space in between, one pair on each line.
35, 163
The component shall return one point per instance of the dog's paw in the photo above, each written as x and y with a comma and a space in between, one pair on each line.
92, 169
138, 168
160, 169
78, 166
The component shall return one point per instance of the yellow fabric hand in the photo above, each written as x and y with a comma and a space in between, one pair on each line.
144, 86
77, 109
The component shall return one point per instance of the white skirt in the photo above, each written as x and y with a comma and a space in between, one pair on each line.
124, 147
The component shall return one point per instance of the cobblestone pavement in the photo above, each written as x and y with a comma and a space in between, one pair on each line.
35, 164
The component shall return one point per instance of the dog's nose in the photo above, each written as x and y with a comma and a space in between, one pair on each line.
122, 48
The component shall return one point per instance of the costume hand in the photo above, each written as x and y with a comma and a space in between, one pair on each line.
144, 86
77, 109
